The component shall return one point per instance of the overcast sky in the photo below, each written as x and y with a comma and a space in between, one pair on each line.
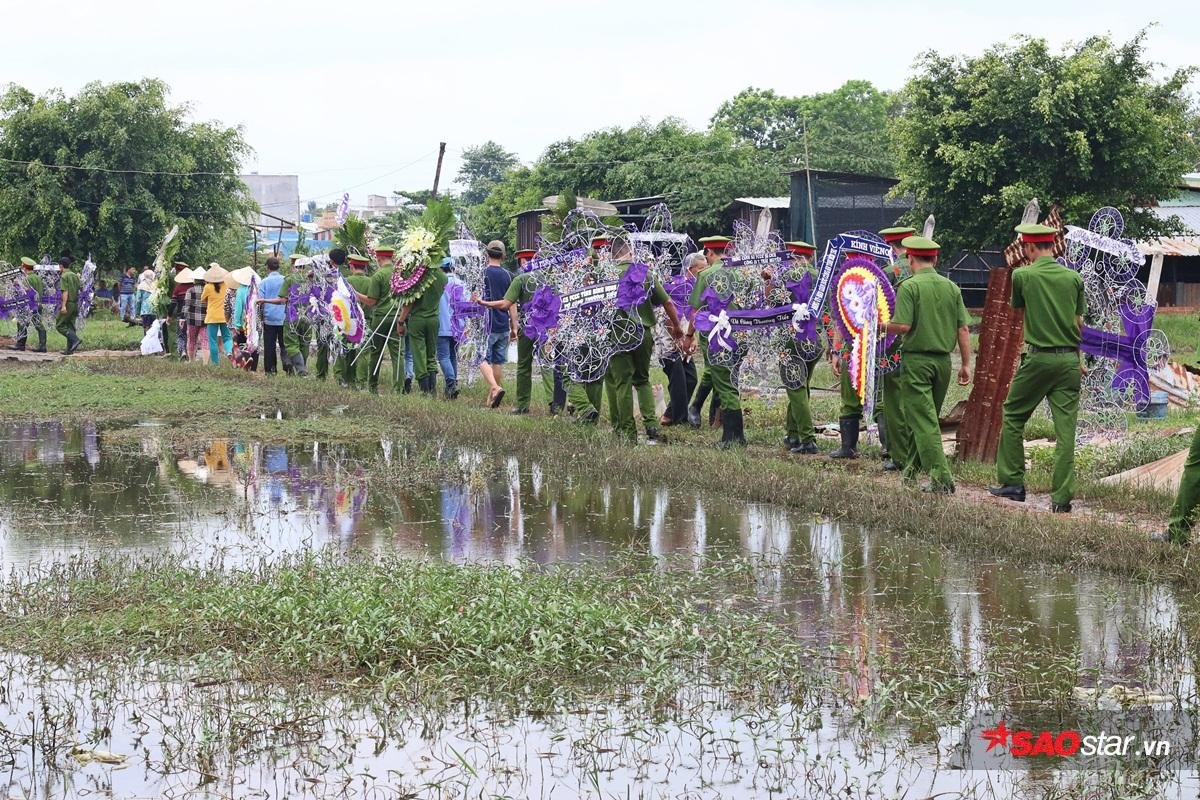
356, 96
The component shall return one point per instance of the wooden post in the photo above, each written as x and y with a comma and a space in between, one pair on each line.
1155, 275
437, 175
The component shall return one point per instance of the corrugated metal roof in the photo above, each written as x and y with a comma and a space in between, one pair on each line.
766, 202
1172, 246
1188, 215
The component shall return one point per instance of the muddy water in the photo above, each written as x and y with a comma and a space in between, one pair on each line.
885, 609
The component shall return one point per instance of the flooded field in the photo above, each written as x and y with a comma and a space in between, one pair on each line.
906, 641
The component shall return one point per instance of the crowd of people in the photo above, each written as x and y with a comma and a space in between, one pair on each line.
209, 310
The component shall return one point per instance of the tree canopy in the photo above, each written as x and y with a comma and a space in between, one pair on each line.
845, 130
109, 170
483, 166
1085, 128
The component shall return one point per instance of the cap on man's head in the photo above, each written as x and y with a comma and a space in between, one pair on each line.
600, 241
920, 246
179, 265
526, 254
294, 257
800, 248
384, 252
357, 260
898, 234
28, 262
1037, 234
716, 243
495, 248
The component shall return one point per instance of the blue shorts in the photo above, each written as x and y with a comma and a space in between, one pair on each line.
497, 348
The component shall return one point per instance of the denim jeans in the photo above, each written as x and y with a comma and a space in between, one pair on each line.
447, 356
125, 307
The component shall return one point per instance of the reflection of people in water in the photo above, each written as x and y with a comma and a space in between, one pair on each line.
275, 461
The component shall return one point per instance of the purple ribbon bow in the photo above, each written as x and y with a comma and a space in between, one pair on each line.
713, 321
802, 291
632, 290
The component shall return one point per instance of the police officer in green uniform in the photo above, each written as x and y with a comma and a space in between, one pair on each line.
629, 372
718, 377
1183, 512
850, 416
337, 257
419, 319
894, 457
68, 307
1053, 300
350, 365
801, 436
931, 318
382, 312
714, 249
34, 280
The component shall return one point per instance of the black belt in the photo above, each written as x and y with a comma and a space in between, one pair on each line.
1057, 350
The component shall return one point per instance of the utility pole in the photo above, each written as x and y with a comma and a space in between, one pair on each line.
812, 211
437, 176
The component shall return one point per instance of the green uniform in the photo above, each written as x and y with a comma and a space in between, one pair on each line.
1052, 297
630, 371
381, 325
64, 323
422, 327
521, 292
579, 397
350, 366
719, 377
295, 334
35, 283
1183, 513
798, 415
933, 306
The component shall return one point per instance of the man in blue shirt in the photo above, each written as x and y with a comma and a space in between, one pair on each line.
273, 315
447, 343
502, 325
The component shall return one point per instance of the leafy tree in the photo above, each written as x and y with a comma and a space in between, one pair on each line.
1089, 127
483, 166
700, 172
847, 129
109, 170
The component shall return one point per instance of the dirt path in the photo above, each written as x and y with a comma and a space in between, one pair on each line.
30, 357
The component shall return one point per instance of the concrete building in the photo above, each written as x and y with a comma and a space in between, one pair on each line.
278, 197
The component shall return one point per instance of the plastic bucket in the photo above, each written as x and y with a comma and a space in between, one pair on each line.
1157, 409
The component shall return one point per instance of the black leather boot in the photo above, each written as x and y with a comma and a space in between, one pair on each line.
849, 429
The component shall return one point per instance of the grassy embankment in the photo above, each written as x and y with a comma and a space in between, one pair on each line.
223, 401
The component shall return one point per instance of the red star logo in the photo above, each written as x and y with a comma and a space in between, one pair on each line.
997, 736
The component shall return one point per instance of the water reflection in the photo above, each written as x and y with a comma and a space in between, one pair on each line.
867, 598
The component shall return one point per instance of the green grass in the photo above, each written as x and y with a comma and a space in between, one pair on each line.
103, 331
438, 628
1183, 332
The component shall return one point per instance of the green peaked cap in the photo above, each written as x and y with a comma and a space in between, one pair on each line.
1036, 229
27, 261
897, 230
919, 243
715, 240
